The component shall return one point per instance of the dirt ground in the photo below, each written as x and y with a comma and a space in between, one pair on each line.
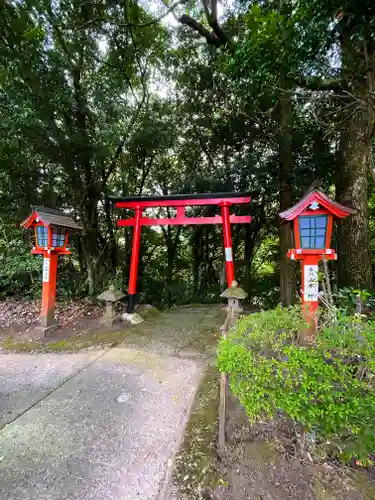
256, 468
19, 317
170, 332
253, 466
78, 320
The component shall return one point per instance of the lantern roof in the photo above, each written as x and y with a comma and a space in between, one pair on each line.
315, 199
111, 295
49, 217
234, 292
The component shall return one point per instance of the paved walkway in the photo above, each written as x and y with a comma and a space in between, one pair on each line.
101, 424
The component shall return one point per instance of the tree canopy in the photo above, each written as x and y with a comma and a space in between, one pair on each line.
130, 97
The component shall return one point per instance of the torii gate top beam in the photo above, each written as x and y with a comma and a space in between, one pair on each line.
181, 202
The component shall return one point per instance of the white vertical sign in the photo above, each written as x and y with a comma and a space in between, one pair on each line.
228, 254
311, 283
46, 264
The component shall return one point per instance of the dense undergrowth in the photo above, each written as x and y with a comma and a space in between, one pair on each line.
327, 390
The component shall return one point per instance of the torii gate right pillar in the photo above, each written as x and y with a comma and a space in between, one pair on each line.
228, 251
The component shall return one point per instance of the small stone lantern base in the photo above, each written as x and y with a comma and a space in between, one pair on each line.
41, 331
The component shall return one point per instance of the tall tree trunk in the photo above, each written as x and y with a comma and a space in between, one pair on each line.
287, 274
91, 277
170, 265
90, 239
358, 74
354, 259
110, 233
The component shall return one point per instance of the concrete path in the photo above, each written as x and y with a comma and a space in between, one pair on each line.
26, 380
95, 425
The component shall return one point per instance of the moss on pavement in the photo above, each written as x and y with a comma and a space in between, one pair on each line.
189, 328
195, 471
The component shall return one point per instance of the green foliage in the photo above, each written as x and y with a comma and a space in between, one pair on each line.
327, 388
99, 99
19, 270
70, 282
348, 300
269, 47
20, 273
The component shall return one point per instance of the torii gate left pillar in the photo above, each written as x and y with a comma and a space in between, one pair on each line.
180, 202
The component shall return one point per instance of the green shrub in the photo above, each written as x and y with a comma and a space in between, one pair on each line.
19, 273
327, 388
346, 300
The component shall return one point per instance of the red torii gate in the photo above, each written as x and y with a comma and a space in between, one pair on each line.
180, 202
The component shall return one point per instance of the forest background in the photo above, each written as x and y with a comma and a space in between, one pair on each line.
128, 97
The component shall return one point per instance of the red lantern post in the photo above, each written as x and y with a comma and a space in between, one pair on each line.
312, 223
51, 239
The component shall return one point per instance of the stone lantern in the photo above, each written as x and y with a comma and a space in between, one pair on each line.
235, 295
111, 297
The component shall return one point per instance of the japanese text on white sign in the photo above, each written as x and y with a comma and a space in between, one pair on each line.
311, 283
46, 265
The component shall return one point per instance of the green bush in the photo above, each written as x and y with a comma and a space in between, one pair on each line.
346, 299
327, 388
19, 273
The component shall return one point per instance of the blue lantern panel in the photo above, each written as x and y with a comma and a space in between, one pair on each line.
42, 236
313, 231
58, 237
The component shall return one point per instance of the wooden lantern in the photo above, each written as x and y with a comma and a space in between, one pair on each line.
312, 223
51, 231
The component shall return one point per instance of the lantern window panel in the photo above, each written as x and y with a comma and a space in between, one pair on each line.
321, 222
42, 236
313, 230
58, 237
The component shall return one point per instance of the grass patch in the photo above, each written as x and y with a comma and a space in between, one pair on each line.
353, 482
70, 344
149, 312
196, 470
9, 344
96, 339
207, 342
363, 484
